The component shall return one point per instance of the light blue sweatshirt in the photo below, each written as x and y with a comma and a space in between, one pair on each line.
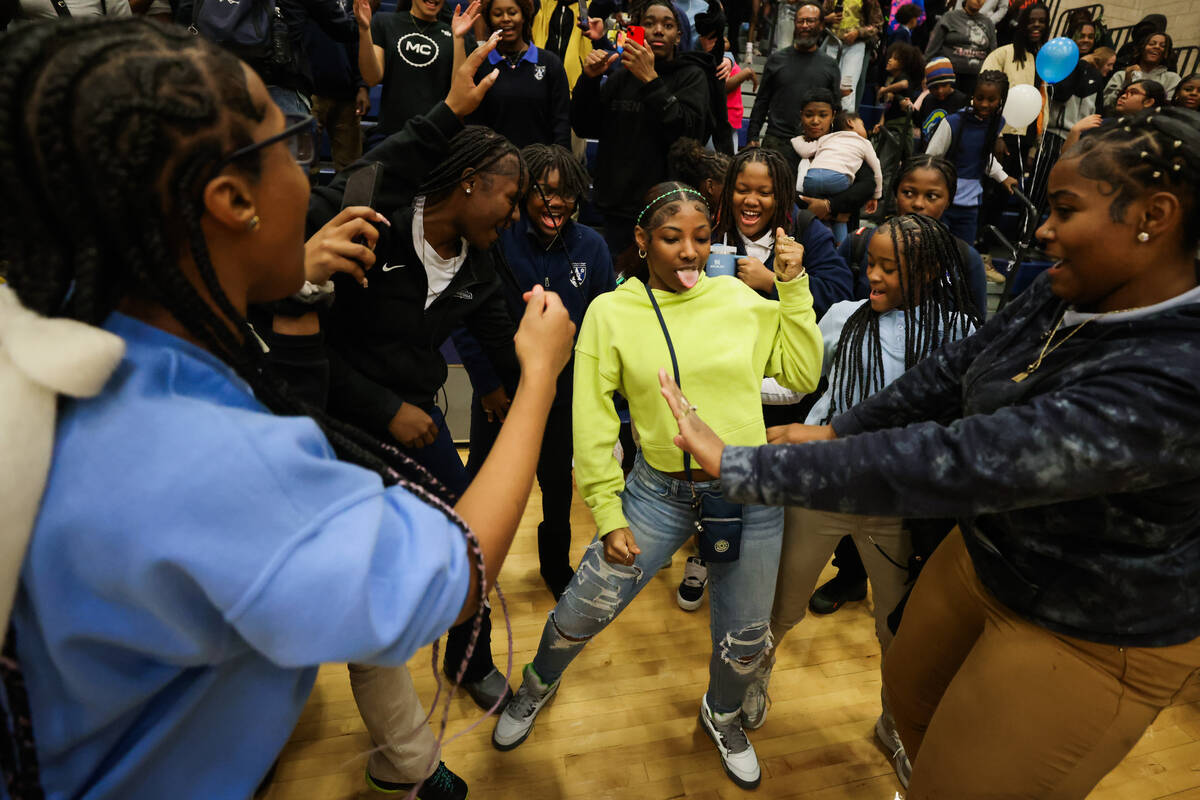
891, 339
195, 558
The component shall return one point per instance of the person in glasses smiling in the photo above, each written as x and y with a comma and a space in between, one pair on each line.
548, 247
199, 540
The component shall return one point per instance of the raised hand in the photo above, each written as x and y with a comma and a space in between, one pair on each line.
639, 60
362, 14
598, 62
466, 95
464, 19
789, 256
546, 335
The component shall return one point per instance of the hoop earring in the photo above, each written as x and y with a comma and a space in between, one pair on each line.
641, 253
253, 223
1143, 237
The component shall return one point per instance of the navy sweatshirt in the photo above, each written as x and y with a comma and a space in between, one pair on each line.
1077, 489
578, 280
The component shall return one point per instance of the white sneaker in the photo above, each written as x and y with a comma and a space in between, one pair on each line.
737, 754
757, 700
690, 594
890, 740
515, 723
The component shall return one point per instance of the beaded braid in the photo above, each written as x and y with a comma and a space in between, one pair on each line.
121, 104
933, 284
783, 182
1154, 149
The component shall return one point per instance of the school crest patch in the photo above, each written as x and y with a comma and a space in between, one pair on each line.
578, 273
539, 71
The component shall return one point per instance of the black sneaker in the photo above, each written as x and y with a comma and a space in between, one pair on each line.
488, 690
441, 785
835, 593
691, 589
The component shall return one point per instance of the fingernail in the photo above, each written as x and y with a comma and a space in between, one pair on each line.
381, 218
364, 283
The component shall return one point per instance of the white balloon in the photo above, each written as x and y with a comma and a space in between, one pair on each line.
1023, 105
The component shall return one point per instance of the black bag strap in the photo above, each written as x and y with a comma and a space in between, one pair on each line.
687, 459
60, 7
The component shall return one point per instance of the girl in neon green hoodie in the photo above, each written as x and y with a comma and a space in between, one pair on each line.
726, 338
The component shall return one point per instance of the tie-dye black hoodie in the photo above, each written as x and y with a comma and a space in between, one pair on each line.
1077, 490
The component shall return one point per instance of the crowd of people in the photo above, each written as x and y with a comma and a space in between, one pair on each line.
230, 463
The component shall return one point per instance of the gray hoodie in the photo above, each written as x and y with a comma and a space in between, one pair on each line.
964, 39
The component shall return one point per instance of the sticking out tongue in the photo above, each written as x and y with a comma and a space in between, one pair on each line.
688, 277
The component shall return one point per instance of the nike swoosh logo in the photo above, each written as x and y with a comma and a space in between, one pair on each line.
390, 267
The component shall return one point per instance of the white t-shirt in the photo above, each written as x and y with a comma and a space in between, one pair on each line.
438, 271
32, 10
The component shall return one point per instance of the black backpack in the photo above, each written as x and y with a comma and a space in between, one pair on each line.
253, 30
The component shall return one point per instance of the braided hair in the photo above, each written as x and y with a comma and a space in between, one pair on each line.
993, 77
117, 126
690, 162
475, 150
926, 161
936, 302
663, 201
542, 159
783, 183
1022, 47
1154, 150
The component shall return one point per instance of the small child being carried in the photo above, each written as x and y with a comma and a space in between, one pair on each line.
834, 146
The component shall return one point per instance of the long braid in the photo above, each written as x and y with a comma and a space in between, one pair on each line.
783, 182
119, 105
936, 304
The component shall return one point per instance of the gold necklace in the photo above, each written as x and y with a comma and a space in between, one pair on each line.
1047, 349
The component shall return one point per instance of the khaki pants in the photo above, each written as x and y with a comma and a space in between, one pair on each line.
990, 705
809, 539
338, 118
407, 751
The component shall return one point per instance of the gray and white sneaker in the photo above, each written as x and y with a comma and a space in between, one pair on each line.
514, 724
887, 736
757, 700
737, 754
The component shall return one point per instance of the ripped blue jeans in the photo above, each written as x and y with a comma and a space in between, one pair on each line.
659, 512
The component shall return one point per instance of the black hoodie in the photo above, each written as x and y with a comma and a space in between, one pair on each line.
636, 123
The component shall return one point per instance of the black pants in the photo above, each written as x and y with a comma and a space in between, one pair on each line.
554, 478
441, 459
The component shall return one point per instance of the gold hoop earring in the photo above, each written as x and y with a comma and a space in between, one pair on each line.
641, 253
253, 223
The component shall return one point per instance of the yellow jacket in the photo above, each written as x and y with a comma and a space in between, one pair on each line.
577, 48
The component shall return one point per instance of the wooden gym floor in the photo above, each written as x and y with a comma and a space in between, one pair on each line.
623, 725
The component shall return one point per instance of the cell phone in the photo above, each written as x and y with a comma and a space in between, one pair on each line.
362, 188
638, 34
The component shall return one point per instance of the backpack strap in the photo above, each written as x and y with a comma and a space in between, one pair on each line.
60, 8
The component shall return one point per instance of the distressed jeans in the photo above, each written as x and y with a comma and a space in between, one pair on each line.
659, 512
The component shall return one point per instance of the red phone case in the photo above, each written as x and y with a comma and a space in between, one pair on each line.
638, 34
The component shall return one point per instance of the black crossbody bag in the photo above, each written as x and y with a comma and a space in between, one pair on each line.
718, 522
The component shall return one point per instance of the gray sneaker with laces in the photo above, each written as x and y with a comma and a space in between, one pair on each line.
514, 725
737, 754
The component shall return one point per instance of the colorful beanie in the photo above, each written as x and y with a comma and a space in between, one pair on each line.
938, 71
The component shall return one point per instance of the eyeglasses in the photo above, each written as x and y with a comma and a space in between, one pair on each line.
300, 133
1133, 91
548, 194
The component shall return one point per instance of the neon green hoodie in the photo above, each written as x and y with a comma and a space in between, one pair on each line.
727, 338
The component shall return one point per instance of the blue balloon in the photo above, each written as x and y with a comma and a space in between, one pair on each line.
1057, 59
